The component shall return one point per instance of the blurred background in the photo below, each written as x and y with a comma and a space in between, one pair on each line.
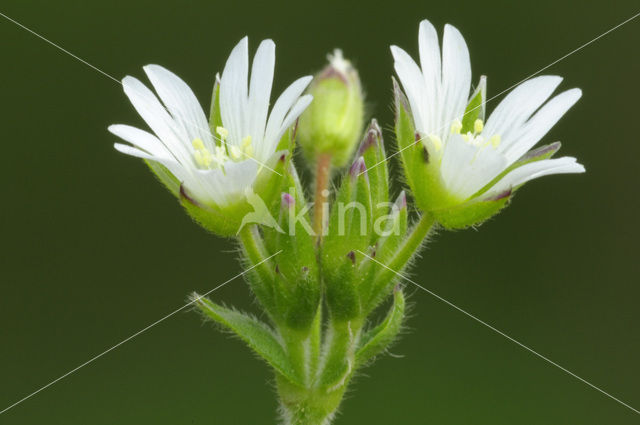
94, 249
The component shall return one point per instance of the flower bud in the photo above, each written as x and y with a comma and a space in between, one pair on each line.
332, 124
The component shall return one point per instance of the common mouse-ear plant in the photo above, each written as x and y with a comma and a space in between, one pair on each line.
323, 270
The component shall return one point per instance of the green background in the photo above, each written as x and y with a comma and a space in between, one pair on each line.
94, 249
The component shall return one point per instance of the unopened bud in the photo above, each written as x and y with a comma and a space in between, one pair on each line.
332, 124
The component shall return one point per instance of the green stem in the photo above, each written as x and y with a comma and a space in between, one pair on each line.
407, 250
411, 245
323, 175
255, 250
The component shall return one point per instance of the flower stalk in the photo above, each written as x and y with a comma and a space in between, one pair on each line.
323, 177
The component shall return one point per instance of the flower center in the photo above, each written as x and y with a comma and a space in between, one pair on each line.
208, 160
475, 138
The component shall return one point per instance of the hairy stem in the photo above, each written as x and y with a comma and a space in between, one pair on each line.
411, 244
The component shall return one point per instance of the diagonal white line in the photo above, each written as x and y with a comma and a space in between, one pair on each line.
91, 360
119, 82
514, 85
449, 303
59, 48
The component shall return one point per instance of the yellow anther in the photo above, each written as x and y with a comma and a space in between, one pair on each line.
456, 127
467, 137
235, 152
248, 151
203, 158
222, 132
220, 156
437, 142
246, 141
198, 144
478, 125
495, 141
201, 155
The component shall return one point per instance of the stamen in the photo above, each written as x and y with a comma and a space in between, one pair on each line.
456, 127
478, 126
235, 152
201, 155
495, 141
437, 142
222, 132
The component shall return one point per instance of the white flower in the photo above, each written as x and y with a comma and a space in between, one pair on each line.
438, 93
214, 169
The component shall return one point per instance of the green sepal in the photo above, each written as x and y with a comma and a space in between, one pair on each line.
349, 231
256, 334
420, 166
215, 118
383, 277
475, 108
472, 213
372, 150
270, 180
350, 221
211, 217
378, 339
342, 293
394, 231
480, 207
164, 176
296, 275
385, 248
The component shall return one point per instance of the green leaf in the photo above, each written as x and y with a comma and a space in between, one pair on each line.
378, 339
257, 335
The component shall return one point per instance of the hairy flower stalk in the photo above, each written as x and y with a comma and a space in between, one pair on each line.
322, 273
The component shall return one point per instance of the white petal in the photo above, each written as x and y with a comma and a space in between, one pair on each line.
174, 167
456, 80
414, 87
141, 139
541, 123
281, 108
534, 170
293, 115
157, 118
430, 62
233, 92
517, 107
466, 168
181, 103
260, 89
228, 187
